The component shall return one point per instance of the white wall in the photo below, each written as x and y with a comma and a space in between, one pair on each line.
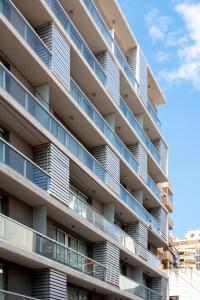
184, 283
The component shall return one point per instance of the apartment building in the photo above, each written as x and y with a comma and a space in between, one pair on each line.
184, 284
189, 249
81, 155
169, 255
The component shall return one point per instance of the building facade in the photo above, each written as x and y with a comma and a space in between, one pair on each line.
189, 250
169, 255
81, 156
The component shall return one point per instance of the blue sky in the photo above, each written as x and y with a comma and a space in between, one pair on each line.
169, 34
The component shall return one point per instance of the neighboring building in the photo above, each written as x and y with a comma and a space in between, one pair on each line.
81, 156
189, 249
168, 255
184, 284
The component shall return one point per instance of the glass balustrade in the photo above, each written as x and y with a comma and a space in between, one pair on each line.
153, 187
32, 106
95, 116
87, 212
153, 114
25, 30
71, 30
6, 295
137, 289
32, 241
96, 16
136, 126
12, 14
49, 122
25, 167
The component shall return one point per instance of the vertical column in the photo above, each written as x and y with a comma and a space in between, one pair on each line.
49, 284
108, 255
52, 160
138, 66
111, 163
60, 50
161, 216
40, 219
139, 233
163, 151
112, 73
141, 155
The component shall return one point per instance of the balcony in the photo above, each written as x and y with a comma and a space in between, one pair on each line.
153, 114
153, 187
137, 289
96, 117
167, 200
90, 214
12, 158
9, 83
97, 18
139, 130
77, 39
34, 242
25, 30
42, 51
4, 295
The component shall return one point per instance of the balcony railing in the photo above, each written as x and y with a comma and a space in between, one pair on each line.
25, 30
21, 236
137, 289
153, 114
90, 214
95, 116
140, 210
71, 30
4, 295
153, 260
32, 106
22, 165
153, 187
12, 14
96, 16
139, 130
13, 87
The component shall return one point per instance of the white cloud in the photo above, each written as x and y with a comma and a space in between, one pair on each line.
189, 50
157, 25
162, 56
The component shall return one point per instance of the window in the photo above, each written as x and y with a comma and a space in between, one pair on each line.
76, 294
70, 257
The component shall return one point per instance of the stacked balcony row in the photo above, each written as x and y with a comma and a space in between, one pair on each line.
85, 104
33, 107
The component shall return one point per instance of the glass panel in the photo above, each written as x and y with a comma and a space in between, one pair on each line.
77, 39
83, 296
23, 237
73, 293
